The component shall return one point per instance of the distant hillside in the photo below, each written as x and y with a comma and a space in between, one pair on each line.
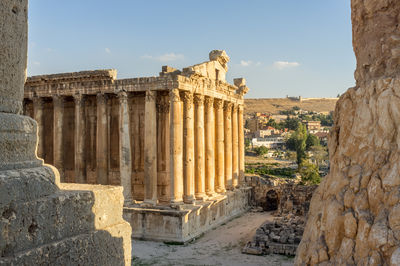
274, 105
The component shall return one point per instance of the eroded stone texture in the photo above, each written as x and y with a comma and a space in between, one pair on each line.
354, 214
41, 224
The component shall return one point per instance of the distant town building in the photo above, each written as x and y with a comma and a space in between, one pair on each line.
269, 131
271, 142
313, 126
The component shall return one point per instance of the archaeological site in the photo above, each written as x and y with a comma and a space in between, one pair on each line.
90, 163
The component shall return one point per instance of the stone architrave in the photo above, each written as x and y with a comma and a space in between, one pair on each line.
219, 146
102, 140
199, 147
235, 147
241, 145
58, 135
150, 149
125, 160
188, 151
228, 145
38, 116
210, 153
176, 139
80, 134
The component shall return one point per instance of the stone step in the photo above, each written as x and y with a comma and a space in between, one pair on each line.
100, 247
69, 212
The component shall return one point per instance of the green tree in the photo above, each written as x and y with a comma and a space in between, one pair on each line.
261, 150
247, 143
311, 141
309, 173
292, 123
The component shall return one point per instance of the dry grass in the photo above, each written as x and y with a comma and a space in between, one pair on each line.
274, 105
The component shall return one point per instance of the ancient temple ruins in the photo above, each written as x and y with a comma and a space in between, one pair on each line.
168, 140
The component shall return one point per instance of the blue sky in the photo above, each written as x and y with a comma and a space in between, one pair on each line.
281, 47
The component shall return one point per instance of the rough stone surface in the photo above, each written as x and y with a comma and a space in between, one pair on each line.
354, 213
41, 224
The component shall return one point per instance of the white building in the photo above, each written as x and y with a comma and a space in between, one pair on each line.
272, 142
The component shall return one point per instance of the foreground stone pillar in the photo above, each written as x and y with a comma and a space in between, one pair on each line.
219, 146
235, 147
38, 116
80, 134
241, 145
58, 124
176, 147
188, 152
354, 216
39, 221
150, 148
199, 147
125, 159
102, 140
209, 135
228, 145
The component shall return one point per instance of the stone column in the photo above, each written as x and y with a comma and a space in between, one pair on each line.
235, 147
102, 140
209, 137
38, 116
199, 147
58, 123
219, 146
80, 133
17, 133
241, 144
176, 147
125, 160
188, 148
228, 145
150, 148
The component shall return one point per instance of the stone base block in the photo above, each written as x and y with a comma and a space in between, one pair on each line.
187, 222
69, 224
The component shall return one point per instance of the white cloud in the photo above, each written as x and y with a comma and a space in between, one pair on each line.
249, 63
36, 63
165, 57
280, 65
108, 51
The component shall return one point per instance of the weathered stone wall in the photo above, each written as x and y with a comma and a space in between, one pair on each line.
291, 198
354, 215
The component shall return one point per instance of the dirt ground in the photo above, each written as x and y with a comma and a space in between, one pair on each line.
221, 246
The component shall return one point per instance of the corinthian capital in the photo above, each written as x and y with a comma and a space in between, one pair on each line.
174, 95
198, 99
208, 102
187, 98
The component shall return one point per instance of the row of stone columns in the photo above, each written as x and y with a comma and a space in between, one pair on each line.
206, 144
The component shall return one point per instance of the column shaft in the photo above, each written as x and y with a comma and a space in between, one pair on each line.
228, 145
150, 148
199, 147
176, 147
58, 120
38, 116
219, 146
102, 140
188, 147
210, 152
125, 159
235, 147
241, 145
80, 133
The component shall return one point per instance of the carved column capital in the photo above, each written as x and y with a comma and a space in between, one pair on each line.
187, 98
79, 98
174, 95
208, 102
198, 100
101, 98
122, 97
58, 100
163, 105
234, 107
218, 103
151, 96
241, 107
37, 101
228, 107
